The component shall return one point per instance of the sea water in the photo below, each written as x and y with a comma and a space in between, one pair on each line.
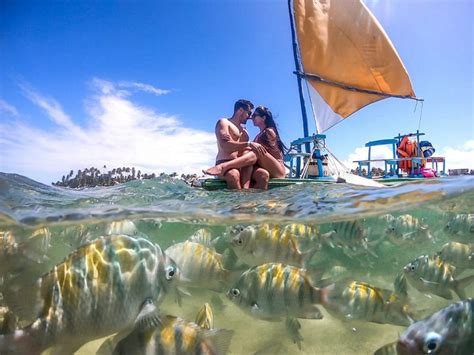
167, 211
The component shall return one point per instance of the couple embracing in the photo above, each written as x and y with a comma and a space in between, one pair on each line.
243, 163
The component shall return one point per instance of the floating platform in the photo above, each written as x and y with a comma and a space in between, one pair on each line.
218, 184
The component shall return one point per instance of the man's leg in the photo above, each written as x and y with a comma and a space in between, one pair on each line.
232, 177
246, 176
261, 177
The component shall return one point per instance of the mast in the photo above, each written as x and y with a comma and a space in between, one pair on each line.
298, 77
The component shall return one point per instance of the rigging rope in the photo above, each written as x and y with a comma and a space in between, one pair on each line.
421, 113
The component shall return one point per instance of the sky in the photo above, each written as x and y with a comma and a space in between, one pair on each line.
142, 83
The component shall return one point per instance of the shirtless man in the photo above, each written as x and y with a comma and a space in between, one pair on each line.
232, 142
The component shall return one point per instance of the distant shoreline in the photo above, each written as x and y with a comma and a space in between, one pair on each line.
92, 177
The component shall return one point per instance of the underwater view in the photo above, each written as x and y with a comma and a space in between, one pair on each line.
158, 266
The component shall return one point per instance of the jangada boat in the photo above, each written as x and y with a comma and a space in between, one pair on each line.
346, 61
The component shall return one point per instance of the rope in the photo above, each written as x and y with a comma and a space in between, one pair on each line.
421, 114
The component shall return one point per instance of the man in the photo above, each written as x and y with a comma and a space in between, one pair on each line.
232, 142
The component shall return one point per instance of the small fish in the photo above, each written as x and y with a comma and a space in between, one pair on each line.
272, 291
461, 227
432, 274
9, 321
124, 227
458, 254
355, 300
202, 236
97, 290
172, 335
448, 331
200, 266
350, 236
16, 255
407, 229
256, 245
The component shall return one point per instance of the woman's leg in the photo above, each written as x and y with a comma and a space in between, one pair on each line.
275, 167
247, 159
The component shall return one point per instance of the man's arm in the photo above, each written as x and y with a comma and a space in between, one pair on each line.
225, 138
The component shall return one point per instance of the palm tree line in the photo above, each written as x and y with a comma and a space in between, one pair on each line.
91, 177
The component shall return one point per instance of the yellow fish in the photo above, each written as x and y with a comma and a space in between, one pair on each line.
274, 290
256, 245
97, 290
458, 254
355, 300
200, 266
432, 274
170, 335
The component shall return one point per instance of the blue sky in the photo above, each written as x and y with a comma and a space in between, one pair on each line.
142, 83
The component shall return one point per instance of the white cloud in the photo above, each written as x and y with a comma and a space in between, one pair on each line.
52, 108
143, 87
459, 157
361, 153
6, 107
119, 133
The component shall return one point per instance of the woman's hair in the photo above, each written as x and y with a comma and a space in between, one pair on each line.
264, 112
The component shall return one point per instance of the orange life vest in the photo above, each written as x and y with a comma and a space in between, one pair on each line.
408, 149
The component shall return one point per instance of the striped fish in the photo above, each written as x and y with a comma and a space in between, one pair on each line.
406, 228
461, 227
97, 290
171, 335
350, 236
272, 291
123, 227
200, 266
15, 254
432, 274
355, 300
256, 245
202, 236
458, 254
448, 331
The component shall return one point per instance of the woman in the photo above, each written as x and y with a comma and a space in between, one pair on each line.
266, 152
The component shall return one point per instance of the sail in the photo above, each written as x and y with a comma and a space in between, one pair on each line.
347, 58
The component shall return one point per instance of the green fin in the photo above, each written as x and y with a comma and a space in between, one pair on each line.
180, 293
293, 327
220, 339
148, 316
389, 349
461, 285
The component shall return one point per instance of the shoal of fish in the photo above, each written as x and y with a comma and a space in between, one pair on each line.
114, 284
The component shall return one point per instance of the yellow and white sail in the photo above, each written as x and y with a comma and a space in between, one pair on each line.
347, 58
